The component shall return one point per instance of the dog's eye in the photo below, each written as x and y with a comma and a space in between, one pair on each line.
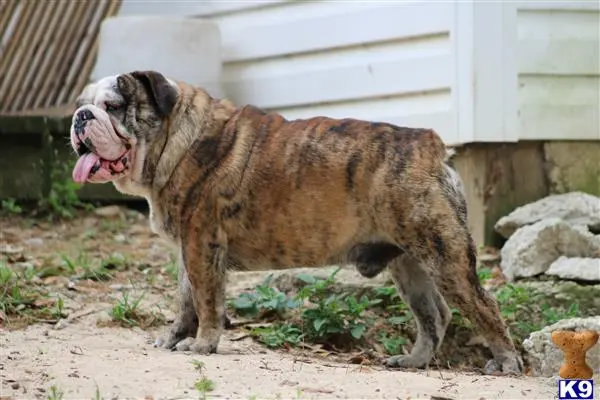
111, 106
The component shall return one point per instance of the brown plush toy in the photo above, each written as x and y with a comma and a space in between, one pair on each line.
574, 346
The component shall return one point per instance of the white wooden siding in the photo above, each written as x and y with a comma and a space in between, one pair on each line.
380, 61
474, 71
558, 52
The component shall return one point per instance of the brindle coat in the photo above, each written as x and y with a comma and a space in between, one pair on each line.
246, 189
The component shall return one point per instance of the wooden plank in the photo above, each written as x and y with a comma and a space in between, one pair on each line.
389, 77
43, 78
52, 77
83, 77
35, 69
80, 51
260, 36
28, 8
7, 13
70, 52
35, 34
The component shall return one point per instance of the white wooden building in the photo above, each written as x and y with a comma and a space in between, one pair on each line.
476, 71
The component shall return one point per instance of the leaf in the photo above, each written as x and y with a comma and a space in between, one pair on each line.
243, 303
318, 323
306, 278
358, 331
399, 320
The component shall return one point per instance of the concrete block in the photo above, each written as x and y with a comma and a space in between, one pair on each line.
187, 49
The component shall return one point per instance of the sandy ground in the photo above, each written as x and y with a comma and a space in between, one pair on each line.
122, 363
82, 359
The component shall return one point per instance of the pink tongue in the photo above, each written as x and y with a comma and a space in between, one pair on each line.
83, 167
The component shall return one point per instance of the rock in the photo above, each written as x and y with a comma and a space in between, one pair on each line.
34, 242
546, 359
532, 249
108, 211
10, 249
577, 208
576, 268
286, 280
120, 238
61, 324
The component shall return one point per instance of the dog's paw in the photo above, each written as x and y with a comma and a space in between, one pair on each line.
405, 361
204, 346
505, 366
170, 340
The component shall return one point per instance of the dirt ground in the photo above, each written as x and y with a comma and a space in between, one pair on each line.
122, 363
84, 355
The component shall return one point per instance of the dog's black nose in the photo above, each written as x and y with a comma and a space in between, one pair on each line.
85, 115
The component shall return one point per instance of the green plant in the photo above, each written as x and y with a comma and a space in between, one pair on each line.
204, 386
55, 393
264, 302
526, 311
58, 310
126, 311
10, 206
59, 197
484, 274
332, 315
198, 365
392, 345
278, 335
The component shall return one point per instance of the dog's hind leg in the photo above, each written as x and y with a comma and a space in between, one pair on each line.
435, 231
429, 308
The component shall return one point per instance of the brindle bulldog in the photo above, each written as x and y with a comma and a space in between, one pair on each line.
240, 188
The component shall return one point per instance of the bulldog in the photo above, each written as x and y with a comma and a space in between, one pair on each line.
241, 188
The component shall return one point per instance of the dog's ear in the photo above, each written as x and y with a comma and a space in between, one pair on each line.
159, 89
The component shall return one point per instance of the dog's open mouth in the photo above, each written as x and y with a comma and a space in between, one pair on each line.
104, 155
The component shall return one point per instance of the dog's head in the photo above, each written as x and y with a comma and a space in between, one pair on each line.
117, 120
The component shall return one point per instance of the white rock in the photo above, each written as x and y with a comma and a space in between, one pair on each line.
532, 249
108, 211
34, 242
576, 268
578, 208
545, 358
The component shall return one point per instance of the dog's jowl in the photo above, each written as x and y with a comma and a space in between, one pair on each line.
240, 188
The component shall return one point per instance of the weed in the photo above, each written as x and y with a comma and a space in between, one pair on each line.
204, 386
60, 200
526, 312
264, 302
198, 365
55, 393
10, 206
127, 313
333, 316
172, 269
392, 345
57, 311
97, 395
278, 335
484, 274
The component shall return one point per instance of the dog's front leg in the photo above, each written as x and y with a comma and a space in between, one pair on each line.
204, 255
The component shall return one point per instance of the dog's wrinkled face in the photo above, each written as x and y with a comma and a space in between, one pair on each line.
117, 118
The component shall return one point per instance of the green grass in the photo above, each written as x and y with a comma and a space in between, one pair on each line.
127, 312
